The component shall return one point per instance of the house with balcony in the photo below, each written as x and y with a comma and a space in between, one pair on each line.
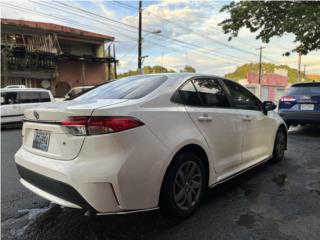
52, 56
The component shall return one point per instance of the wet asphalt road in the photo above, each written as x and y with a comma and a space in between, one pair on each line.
273, 201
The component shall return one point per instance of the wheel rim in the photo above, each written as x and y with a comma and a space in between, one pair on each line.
187, 185
281, 143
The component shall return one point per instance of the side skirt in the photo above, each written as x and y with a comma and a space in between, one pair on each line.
240, 172
128, 211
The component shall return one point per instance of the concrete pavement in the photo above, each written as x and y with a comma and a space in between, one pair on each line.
273, 201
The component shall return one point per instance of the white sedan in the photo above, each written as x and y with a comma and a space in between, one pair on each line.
144, 142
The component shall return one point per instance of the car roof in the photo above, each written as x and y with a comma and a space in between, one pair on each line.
24, 90
82, 87
184, 75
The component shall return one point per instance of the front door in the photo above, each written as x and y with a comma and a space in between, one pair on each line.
258, 129
208, 106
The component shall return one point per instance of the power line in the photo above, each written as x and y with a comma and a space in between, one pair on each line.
148, 31
81, 15
190, 30
68, 20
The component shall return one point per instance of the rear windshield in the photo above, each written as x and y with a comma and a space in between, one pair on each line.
126, 88
304, 90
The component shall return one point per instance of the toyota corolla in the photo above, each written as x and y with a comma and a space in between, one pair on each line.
147, 142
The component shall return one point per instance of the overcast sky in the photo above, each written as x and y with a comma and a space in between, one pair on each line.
190, 34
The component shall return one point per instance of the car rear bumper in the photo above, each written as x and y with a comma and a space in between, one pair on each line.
112, 173
301, 117
61, 183
51, 189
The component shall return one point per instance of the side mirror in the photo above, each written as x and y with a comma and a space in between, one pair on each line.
268, 106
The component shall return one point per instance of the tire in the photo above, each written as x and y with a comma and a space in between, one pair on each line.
279, 146
184, 185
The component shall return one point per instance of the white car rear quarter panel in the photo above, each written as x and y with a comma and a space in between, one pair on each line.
126, 160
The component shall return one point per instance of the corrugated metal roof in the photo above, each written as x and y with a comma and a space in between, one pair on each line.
59, 29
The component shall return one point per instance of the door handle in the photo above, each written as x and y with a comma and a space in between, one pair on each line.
205, 118
246, 118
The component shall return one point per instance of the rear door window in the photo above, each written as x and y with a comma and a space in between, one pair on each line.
211, 93
28, 97
202, 92
44, 97
126, 88
189, 95
9, 98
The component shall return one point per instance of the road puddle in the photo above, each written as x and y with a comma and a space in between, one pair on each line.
251, 194
281, 180
246, 220
24, 219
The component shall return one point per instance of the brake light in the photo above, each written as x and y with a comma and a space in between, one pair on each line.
80, 126
287, 99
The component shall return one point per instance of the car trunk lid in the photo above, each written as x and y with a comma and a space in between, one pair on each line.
43, 134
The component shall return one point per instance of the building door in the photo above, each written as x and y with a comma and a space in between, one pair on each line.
62, 88
279, 94
264, 93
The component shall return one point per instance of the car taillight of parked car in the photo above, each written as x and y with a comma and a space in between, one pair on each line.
82, 126
287, 99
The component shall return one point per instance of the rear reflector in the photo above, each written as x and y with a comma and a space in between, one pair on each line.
80, 126
287, 99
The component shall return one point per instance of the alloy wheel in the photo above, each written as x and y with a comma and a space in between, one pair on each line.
281, 144
187, 185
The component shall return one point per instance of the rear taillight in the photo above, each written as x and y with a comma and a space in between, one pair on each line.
80, 126
287, 99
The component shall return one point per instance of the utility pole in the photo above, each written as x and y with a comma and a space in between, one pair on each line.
260, 64
115, 62
83, 72
260, 69
109, 63
140, 39
299, 67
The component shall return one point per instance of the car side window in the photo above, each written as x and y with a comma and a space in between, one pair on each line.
241, 97
189, 95
44, 97
9, 98
28, 97
210, 92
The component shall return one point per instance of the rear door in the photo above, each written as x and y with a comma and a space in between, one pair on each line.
10, 109
258, 129
208, 106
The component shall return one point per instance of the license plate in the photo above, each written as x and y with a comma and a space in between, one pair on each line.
306, 106
41, 140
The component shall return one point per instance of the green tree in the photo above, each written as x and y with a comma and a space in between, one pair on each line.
242, 71
188, 68
276, 18
159, 69
146, 70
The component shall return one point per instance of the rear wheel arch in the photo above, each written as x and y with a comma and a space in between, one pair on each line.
284, 128
190, 148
